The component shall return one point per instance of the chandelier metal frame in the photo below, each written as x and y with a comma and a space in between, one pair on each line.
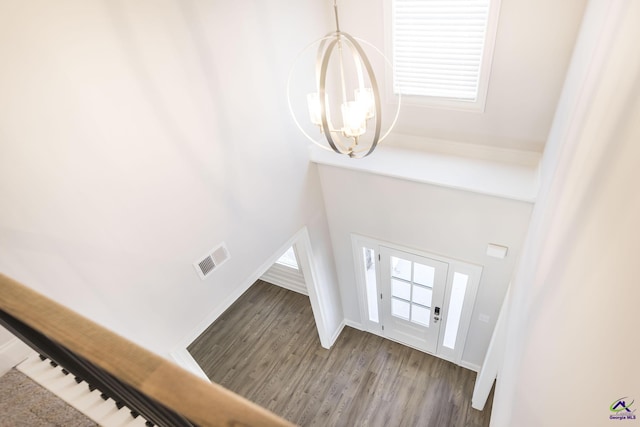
368, 104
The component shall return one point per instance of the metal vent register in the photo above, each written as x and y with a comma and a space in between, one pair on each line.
212, 260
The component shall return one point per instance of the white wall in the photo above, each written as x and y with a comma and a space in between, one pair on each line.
532, 52
448, 222
571, 345
5, 336
136, 136
12, 351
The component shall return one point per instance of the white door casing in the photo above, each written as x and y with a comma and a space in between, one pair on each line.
455, 285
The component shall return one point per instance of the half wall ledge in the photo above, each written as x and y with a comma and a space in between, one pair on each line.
493, 178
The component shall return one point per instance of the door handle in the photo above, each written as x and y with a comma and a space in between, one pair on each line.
436, 314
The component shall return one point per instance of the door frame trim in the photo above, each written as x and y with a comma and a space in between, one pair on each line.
455, 265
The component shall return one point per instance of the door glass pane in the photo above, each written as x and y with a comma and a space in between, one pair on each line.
420, 315
423, 274
422, 295
369, 257
400, 308
400, 268
400, 289
458, 289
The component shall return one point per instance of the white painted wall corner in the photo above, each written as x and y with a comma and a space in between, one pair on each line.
336, 334
183, 358
12, 353
353, 324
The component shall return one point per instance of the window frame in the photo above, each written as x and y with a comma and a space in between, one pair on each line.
479, 104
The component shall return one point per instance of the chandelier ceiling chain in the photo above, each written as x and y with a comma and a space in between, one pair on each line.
335, 14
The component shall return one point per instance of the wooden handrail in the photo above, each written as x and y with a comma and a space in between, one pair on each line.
204, 403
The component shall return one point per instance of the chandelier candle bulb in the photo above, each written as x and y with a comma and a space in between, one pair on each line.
365, 97
315, 114
353, 119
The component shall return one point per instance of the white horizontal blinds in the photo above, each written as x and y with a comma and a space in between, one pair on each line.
438, 47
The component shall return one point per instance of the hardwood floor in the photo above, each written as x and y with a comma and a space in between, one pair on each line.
266, 348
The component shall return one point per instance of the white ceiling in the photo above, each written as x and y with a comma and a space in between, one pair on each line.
534, 43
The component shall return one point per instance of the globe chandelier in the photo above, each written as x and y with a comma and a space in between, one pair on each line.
359, 129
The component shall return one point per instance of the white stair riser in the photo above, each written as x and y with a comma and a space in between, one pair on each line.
90, 403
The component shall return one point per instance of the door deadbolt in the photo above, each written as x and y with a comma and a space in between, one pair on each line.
436, 314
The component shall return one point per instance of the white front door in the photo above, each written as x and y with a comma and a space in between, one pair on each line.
412, 294
416, 298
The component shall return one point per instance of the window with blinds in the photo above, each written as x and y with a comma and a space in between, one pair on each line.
442, 48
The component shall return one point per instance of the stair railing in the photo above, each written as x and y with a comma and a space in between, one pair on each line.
157, 389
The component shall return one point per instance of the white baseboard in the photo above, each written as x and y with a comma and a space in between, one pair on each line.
224, 305
471, 366
286, 277
336, 334
286, 286
345, 322
354, 325
183, 358
213, 315
303, 245
13, 353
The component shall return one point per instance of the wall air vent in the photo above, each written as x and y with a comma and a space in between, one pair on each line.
211, 261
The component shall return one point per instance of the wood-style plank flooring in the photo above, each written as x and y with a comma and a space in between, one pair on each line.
266, 348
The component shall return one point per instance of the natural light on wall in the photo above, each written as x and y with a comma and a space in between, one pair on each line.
288, 259
442, 49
